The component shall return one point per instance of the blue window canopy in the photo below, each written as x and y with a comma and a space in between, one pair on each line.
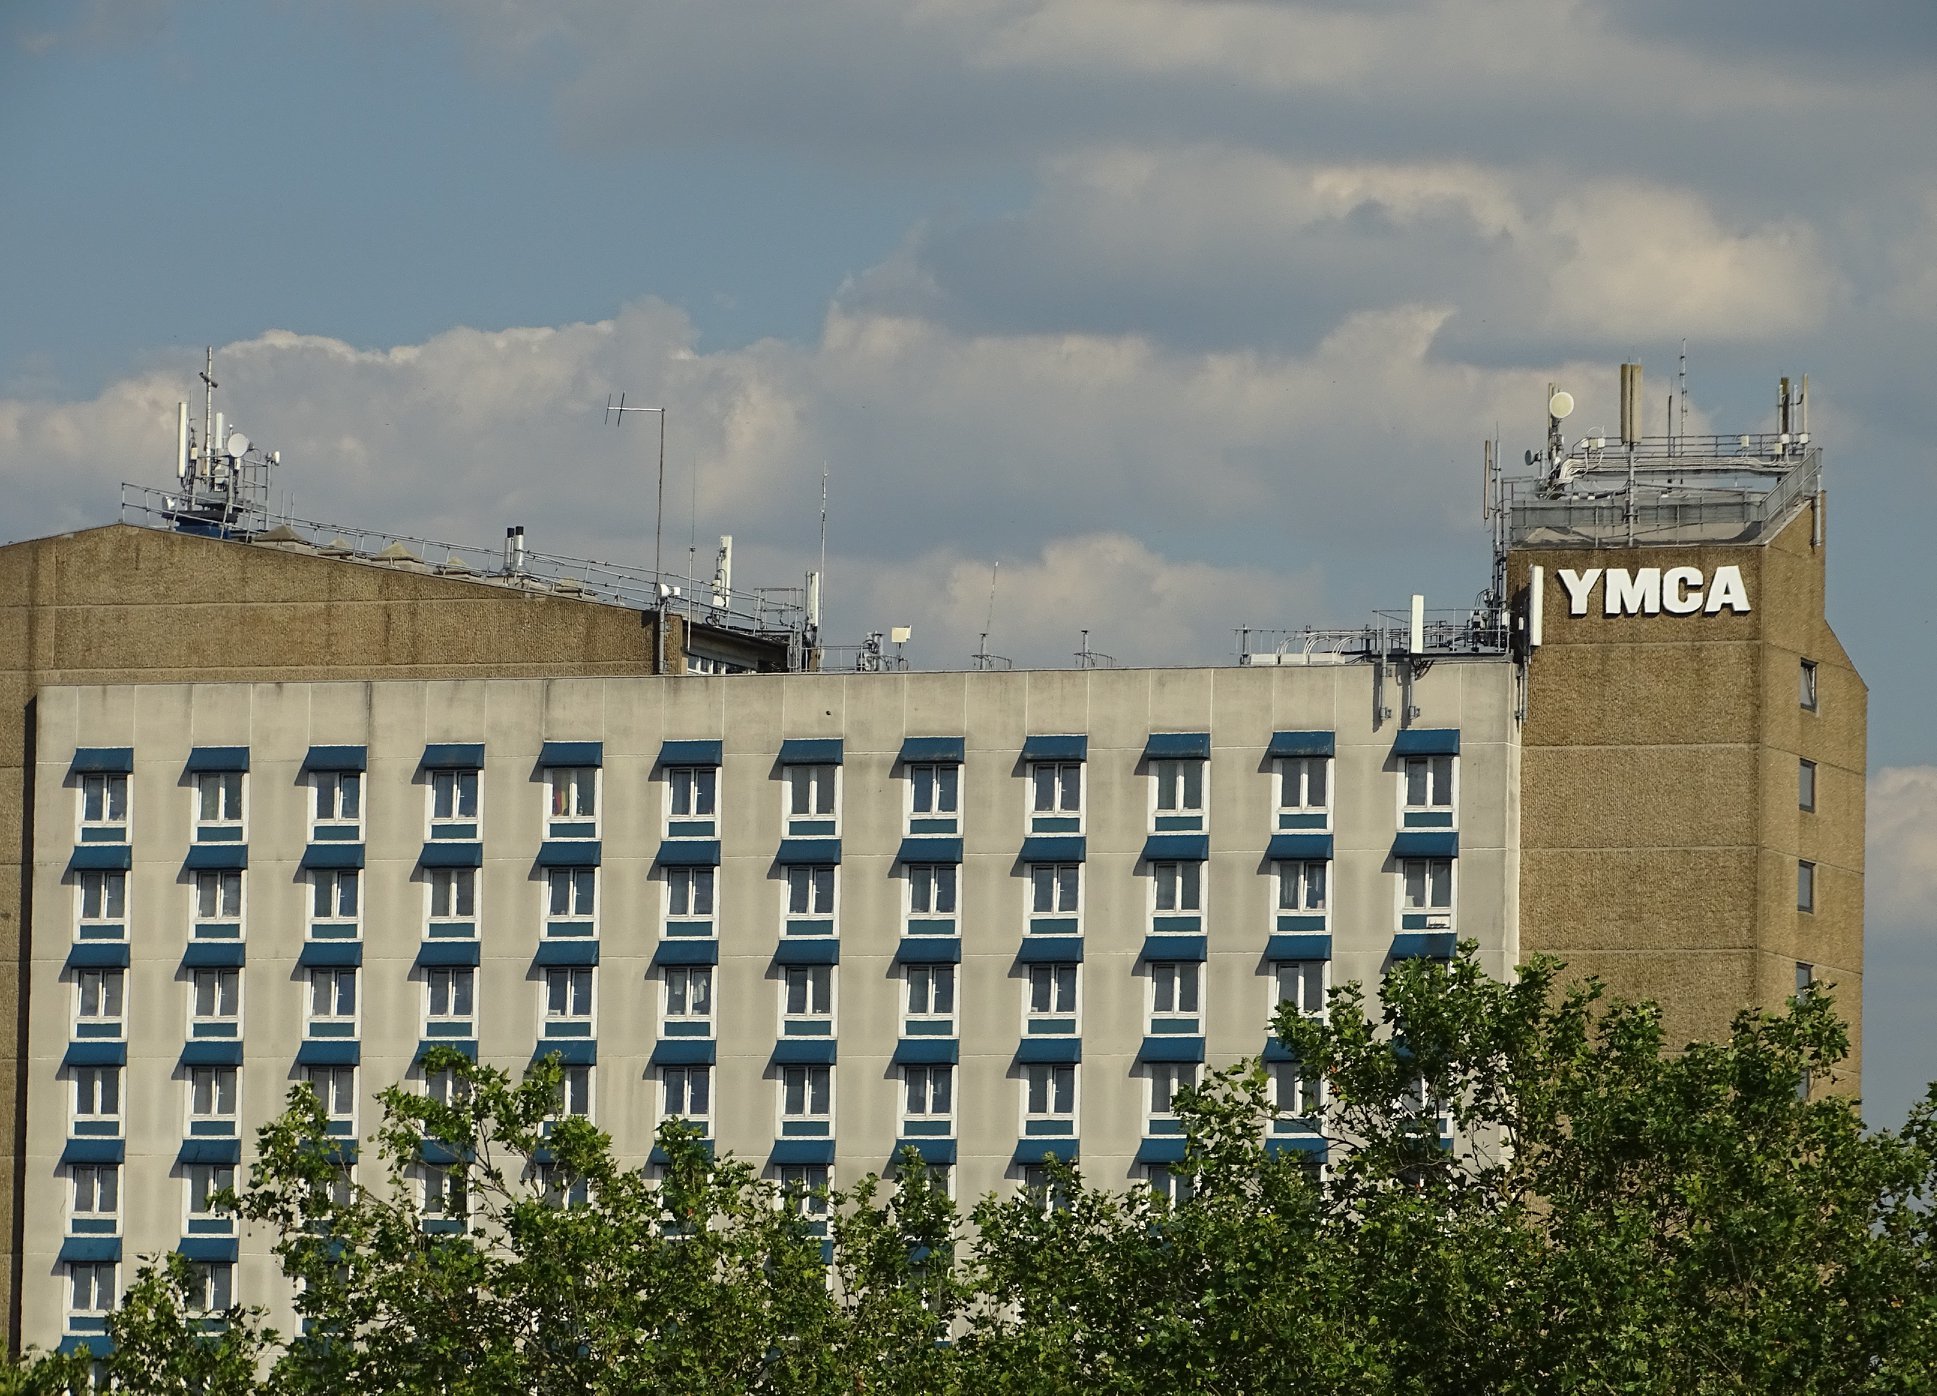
684, 1051
1427, 741
1312, 1148
1176, 848
819, 852
802, 1151
330, 954
218, 758
210, 1151
569, 853
96, 1345
1414, 945
335, 1052
93, 857
929, 950
437, 1151
1068, 1050
811, 751
804, 1051
687, 950
463, 1046
98, 954
1179, 947
453, 756
214, 954
1053, 848
207, 1249
94, 1150
333, 855
1276, 1051
692, 753
568, 950
1172, 1049
1048, 950
206, 1051
337, 758
1033, 1151
217, 857
689, 853
932, 1151
83, 1249
1066, 747
453, 950
808, 950
102, 760
572, 1051
1161, 1151
929, 849
452, 855
572, 754
95, 1053
1315, 945
1301, 848
939, 750
1426, 843
927, 1051
660, 1158
1178, 746
1303, 744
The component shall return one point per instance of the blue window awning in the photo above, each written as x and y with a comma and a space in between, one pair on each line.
449, 950
1161, 1151
802, 1151
569, 853
1056, 747
101, 857
1066, 1050
218, 758
81, 1249
329, 1052
572, 1051
688, 853
687, 950
1308, 946
811, 751
96, 1345
1167, 1048
95, 1052
333, 855
98, 954
1301, 848
808, 950
684, 1051
929, 849
567, 950
1427, 741
927, 1051
572, 754
692, 753
217, 857
929, 950
1310, 1147
463, 1046
207, 1249
940, 750
1176, 947
1178, 746
1426, 843
931, 1150
212, 1051
820, 852
805, 1051
102, 760
214, 954
453, 756
1053, 848
1033, 1151
1050, 950
1417, 945
1176, 848
443, 854
337, 758
1276, 1051
94, 1151
330, 954
210, 1151
1303, 744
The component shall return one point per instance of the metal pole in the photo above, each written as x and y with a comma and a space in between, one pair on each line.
658, 536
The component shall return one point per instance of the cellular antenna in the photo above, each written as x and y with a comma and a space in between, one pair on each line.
615, 414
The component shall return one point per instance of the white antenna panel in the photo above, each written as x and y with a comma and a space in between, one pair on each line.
900, 634
1561, 405
237, 444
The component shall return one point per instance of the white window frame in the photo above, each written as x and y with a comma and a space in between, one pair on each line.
685, 1076
1309, 894
450, 993
446, 1193
919, 1091
97, 1093
1295, 1091
324, 995
1170, 776
1176, 1188
326, 802
808, 977
217, 978
577, 1007
681, 1000
576, 1091
336, 1092
570, 785
107, 987
1181, 883
1295, 785
930, 774
804, 1186
101, 897
1165, 1078
1050, 974
451, 895
1309, 981
206, 1090
220, 783
1062, 877
457, 781
219, 894
114, 789
936, 884
446, 1087
797, 1093
924, 985
1439, 773
1045, 1087
692, 894
700, 785
86, 1184
813, 784
200, 1183
1429, 907
579, 885
326, 907
1061, 784
102, 1288
212, 1286
1176, 991
806, 883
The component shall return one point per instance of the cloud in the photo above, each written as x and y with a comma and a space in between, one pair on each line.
1901, 866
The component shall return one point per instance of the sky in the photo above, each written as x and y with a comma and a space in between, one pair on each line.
1151, 318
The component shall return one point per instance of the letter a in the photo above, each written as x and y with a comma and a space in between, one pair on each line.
1728, 590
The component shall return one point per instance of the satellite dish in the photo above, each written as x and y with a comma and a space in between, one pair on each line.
1560, 405
238, 444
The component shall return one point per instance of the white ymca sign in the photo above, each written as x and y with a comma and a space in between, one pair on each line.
1649, 591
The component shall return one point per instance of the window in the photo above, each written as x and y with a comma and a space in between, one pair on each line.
1805, 977
934, 790
1165, 1080
1049, 1090
1301, 887
810, 798
1179, 886
211, 1093
1052, 990
216, 995
1055, 888
98, 995
931, 889
575, 1091
574, 793
453, 894
453, 795
206, 1181
335, 1088
218, 896
689, 894
931, 992
689, 993
808, 991
1428, 884
1056, 787
104, 800
1806, 785
1808, 688
806, 1092
805, 1185
558, 1188
1173, 1187
332, 995
334, 894
1805, 886
339, 796
571, 893
91, 1286
450, 990
1173, 989
1304, 783
446, 1087
1180, 786
693, 791
97, 1190
211, 1286
1429, 782
104, 895
1038, 1183
218, 799
446, 1196
688, 1092
568, 993
1301, 983
1294, 1091
97, 1092
810, 890
930, 1091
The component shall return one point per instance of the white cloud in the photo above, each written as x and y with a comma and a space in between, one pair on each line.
1901, 860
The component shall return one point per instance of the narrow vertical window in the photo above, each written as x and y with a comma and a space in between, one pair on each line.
1807, 676
1806, 784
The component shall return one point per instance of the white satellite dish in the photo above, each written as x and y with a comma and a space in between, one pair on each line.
1560, 405
237, 445
900, 634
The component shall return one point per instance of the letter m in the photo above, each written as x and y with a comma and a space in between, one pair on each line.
1639, 595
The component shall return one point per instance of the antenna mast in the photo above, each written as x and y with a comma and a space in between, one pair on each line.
616, 416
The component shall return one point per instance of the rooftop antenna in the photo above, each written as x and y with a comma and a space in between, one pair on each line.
1682, 433
616, 416
208, 414
692, 519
